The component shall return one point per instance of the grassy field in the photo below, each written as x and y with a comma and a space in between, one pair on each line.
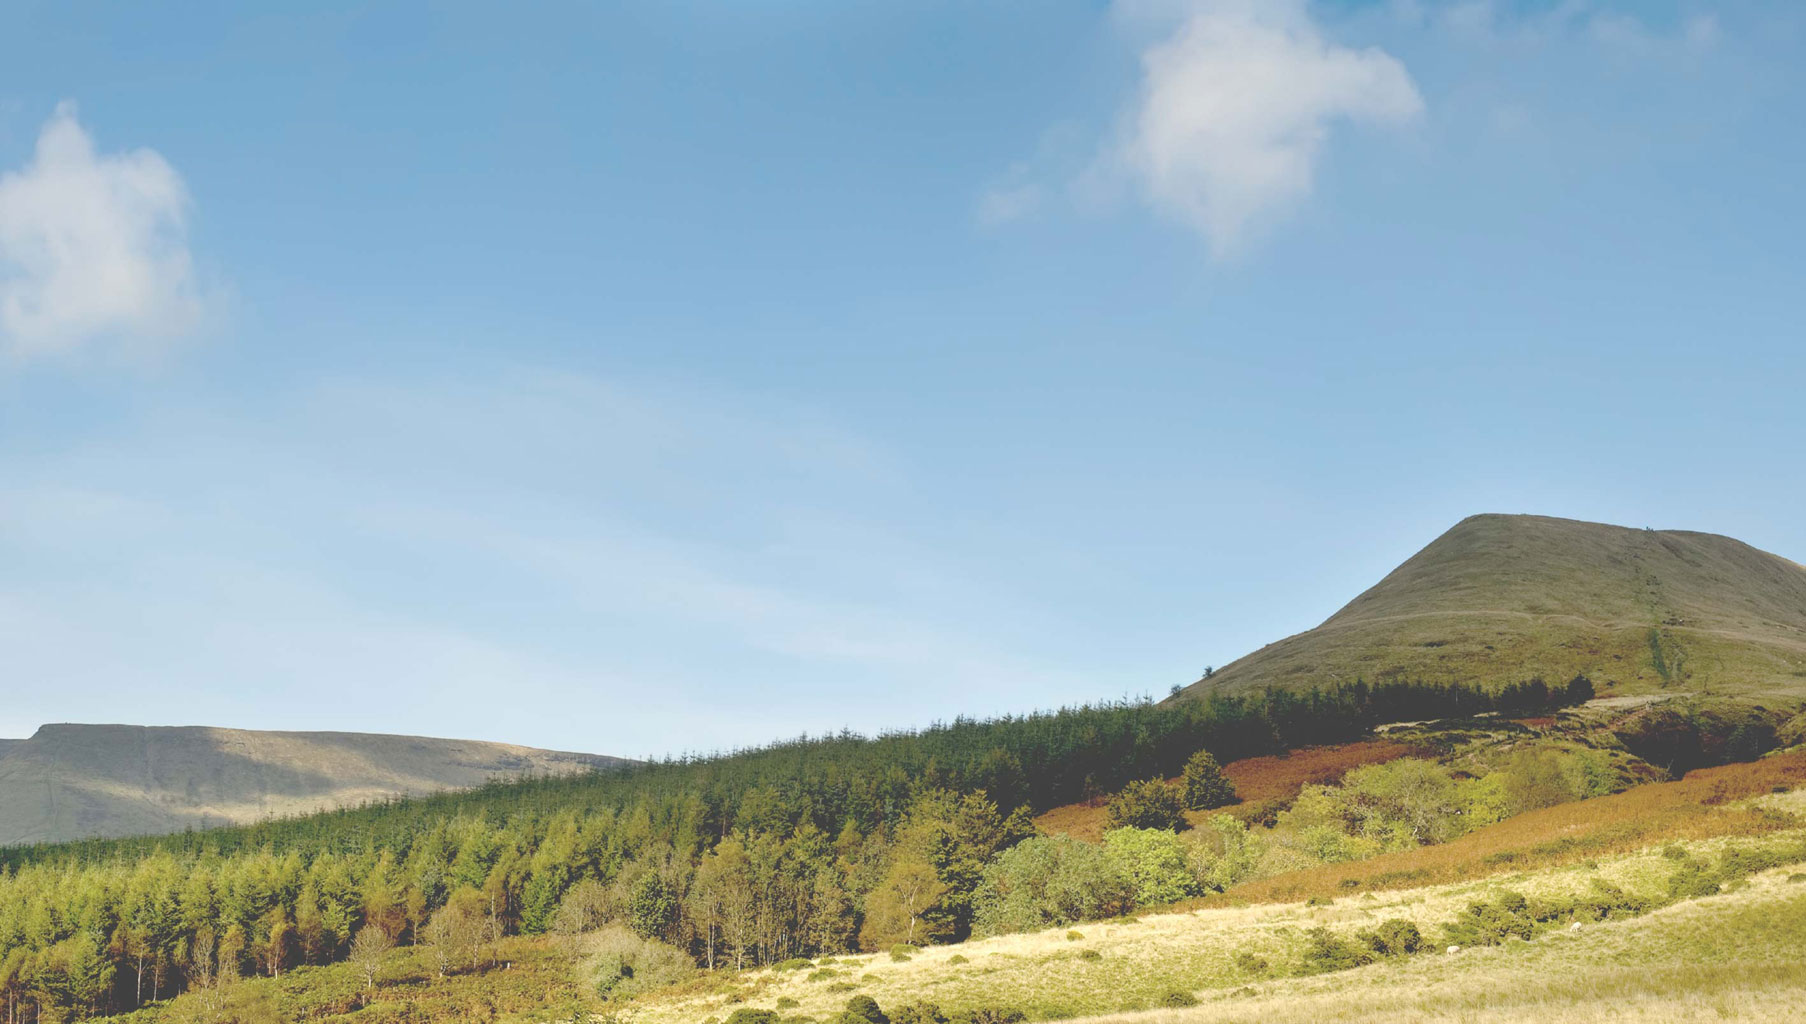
1502, 598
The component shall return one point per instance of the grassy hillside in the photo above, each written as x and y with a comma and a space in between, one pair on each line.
80, 781
1503, 598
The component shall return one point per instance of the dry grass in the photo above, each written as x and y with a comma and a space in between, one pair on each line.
1700, 806
1258, 781
1733, 957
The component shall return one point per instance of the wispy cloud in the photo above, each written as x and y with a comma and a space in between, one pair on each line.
93, 246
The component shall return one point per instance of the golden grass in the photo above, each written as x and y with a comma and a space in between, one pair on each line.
1735, 957
1700, 806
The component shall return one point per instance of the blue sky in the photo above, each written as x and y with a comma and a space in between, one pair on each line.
639, 378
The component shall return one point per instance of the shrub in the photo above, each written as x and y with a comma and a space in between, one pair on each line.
918, 1013
1074, 936
620, 964
1148, 803
748, 1015
958, 959
796, 963
1090, 954
901, 952
1178, 1000
787, 1003
1248, 963
1491, 922
990, 1015
1394, 937
1326, 951
866, 1009
822, 974
1203, 783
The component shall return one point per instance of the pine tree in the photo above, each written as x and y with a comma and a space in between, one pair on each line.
1205, 784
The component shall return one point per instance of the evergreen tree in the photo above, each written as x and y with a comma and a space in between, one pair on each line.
1204, 783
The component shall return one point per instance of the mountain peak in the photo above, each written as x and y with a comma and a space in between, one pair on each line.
1502, 598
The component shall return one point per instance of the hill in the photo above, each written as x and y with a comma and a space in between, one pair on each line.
82, 781
1503, 598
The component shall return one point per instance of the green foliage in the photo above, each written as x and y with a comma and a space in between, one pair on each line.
1326, 951
1048, 881
652, 908
795, 963
1147, 803
1090, 954
1394, 937
1155, 863
989, 1015
748, 1015
902, 952
1490, 922
1178, 1000
1204, 784
958, 959
866, 1009
918, 1013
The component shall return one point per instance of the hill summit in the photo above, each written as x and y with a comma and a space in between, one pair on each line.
84, 781
1504, 598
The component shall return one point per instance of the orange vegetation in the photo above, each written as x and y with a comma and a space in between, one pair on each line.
1258, 781
1690, 808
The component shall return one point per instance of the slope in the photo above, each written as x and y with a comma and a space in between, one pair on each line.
1503, 598
79, 781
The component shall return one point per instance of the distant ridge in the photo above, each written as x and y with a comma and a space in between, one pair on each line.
81, 781
1501, 598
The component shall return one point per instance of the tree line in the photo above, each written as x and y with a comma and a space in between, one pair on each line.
807, 847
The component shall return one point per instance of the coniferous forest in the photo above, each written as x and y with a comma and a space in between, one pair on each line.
807, 847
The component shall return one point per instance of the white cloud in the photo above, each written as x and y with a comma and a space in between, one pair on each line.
1235, 106
93, 247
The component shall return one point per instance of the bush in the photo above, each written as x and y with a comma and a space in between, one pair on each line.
1074, 936
1204, 785
620, 964
795, 963
748, 1015
1178, 1000
918, 1013
1326, 951
1248, 963
866, 1009
902, 951
1148, 803
990, 1015
822, 974
1090, 954
787, 1003
958, 959
1489, 923
1394, 937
